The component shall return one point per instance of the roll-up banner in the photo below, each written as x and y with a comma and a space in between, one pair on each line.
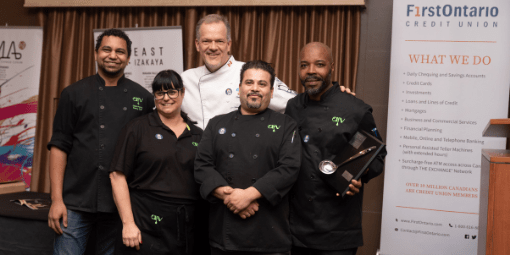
450, 74
20, 72
153, 49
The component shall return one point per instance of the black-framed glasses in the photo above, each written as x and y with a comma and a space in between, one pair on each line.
172, 93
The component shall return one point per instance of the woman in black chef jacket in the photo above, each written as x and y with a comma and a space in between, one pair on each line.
152, 175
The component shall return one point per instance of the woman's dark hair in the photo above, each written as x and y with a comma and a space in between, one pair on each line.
165, 80
169, 79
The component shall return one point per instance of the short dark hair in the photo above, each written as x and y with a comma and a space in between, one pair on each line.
258, 64
114, 32
167, 79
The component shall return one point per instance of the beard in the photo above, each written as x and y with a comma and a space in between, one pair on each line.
321, 88
254, 104
109, 73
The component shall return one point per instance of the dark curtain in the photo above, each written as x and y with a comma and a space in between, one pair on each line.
272, 34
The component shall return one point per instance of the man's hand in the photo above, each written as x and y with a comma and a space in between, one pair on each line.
354, 187
131, 235
57, 210
240, 199
347, 90
222, 192
250, 210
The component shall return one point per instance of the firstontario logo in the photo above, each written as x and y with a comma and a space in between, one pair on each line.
338, 120
449, 11
467, 16
138, 101
273, 127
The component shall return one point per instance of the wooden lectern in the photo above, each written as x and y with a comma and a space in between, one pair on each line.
494, 221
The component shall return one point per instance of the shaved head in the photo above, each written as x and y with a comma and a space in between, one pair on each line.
318, 46
315, 68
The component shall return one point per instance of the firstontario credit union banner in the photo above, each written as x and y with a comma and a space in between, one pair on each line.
20, 72
450, 74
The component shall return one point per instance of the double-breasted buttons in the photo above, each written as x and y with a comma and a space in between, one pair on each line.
231, 155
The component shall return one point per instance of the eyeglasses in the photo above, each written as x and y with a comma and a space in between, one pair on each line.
172, 93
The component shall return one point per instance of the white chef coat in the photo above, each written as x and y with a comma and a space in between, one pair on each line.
211, 94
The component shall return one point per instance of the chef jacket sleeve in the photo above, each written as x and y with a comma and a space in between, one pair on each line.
151, 105
124, 156
277, 182
281, 95
64, 123
205, 168
377, 166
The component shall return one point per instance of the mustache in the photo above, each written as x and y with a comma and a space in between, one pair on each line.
313, 78
254, 94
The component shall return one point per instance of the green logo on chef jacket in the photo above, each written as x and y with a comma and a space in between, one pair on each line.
338, 120
194, 144
156, 218
273, 127
138, 101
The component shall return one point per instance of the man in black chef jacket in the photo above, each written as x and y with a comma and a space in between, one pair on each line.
323, 223
246, 164
90, 114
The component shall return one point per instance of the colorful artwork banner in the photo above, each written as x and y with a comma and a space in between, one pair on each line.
20, 72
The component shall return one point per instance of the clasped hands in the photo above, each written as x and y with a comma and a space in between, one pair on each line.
242, 202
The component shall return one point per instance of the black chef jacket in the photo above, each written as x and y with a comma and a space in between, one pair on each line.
154, 159
240, 151
86, 126
319, 219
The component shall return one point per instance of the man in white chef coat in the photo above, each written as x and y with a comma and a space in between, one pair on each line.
212, 89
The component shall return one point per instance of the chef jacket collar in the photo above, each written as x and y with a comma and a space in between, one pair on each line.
155, 121
324, 96
224, 68
260, 114
102, 83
